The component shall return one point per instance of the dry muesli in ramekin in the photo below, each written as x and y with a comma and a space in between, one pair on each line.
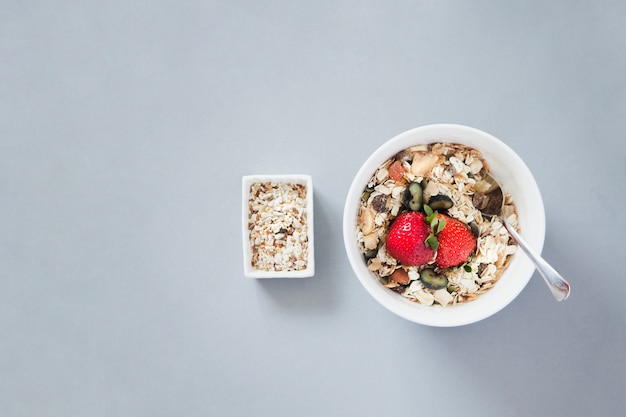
278, 227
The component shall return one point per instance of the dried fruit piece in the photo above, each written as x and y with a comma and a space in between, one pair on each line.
396, 171
379, 203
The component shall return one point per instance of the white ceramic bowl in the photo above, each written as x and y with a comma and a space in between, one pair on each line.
249, 270
514, 176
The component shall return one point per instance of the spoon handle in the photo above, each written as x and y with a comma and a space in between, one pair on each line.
557, 284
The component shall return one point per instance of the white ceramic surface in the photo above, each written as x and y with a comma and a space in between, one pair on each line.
252, 272
516, 179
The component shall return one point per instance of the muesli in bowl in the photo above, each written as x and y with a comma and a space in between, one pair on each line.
441, 284
433, 189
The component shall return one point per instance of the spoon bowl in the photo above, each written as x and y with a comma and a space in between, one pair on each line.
491, 204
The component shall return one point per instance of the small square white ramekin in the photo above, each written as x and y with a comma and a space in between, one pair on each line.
248, 269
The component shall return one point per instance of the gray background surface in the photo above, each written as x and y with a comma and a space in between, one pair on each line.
125, 129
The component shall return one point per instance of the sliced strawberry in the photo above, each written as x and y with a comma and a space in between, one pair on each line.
405, 241
456, 243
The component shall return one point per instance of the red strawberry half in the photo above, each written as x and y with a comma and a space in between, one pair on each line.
456, 243
406, 239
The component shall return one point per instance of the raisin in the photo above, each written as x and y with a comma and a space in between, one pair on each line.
379, 203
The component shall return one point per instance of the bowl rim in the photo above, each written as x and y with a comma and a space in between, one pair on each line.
513, 173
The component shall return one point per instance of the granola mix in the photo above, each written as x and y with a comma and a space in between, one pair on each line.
278, 227
442, 169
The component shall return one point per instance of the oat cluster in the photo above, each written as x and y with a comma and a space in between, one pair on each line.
453, 170
278, 226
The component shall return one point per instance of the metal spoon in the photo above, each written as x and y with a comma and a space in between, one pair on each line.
491, 204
